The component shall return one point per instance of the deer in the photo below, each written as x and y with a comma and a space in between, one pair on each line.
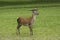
27, 21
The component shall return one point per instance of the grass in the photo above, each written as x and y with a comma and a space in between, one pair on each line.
46, 26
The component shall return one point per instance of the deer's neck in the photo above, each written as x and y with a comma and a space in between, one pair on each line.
33, 17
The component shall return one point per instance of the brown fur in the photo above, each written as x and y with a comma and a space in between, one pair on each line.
24, 21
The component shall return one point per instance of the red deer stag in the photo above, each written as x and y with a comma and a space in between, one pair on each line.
27, 21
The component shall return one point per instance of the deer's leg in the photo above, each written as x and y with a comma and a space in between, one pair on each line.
31, 31
18, 27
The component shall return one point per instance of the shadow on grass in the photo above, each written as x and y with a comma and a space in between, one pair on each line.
39, 6
9, 3
13, 3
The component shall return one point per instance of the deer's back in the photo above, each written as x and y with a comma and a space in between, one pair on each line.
24, 21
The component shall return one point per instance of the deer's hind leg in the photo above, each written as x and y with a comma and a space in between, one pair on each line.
18, 27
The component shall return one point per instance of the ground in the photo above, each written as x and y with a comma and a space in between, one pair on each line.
46, 26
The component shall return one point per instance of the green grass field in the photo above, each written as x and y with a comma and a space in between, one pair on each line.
46, 26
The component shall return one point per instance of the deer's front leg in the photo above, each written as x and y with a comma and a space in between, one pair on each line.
31, 30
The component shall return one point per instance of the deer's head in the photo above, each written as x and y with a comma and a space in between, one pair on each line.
35, 11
